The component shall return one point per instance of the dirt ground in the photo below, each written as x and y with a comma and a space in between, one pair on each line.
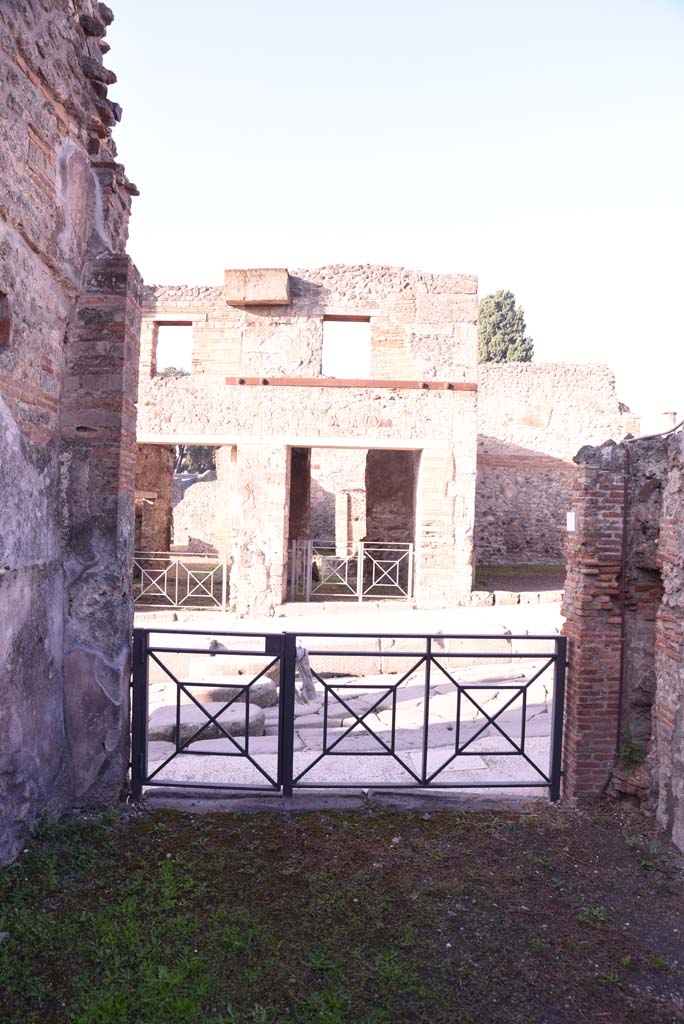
376, 917
520, 578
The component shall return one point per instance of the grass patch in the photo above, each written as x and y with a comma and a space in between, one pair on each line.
169, 918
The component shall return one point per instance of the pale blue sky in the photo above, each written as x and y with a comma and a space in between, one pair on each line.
536, 144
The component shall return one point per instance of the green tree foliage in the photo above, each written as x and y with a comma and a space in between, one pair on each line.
501, 331
171, 371
194, 458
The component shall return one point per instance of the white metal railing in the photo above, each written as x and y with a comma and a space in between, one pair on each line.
358, 571
167, 579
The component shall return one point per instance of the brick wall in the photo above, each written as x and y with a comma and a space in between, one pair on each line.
624, 603
592, 606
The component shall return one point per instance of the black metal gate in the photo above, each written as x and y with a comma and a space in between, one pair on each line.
450, 711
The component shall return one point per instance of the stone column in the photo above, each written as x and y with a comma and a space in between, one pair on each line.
444, 545
226, 498
343, 526
97, 425
149, 335
594, 621
259, 543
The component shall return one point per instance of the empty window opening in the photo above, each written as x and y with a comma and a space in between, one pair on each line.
346, 347
174, 349
5, 321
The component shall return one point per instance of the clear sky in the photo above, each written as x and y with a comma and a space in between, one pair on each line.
538, 144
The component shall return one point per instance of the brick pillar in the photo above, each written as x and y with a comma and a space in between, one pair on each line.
97, 424
592, 607
300, 494
259, 543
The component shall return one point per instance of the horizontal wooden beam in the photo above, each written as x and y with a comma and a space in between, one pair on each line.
343, 382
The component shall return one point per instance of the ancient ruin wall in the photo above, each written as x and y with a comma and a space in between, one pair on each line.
422, 331
532, 418
624, 608
668, 708
70, 312
422, 325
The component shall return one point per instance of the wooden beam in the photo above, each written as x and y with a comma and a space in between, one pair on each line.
342, 382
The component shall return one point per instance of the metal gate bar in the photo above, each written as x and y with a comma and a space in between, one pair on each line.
428, 653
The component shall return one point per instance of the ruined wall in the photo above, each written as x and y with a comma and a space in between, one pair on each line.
422, 325
154, 497
195, 513
624, 605
258, 342
391, 479
336, 472
532, 418
70, 303
668, 709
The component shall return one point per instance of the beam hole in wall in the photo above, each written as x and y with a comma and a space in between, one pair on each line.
174, 349
5, 321
346, 347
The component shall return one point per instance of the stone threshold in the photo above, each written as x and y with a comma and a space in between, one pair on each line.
519, 801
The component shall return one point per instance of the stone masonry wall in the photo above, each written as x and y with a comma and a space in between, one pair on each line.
68, 362
532, 418
423, 344
668, 708
422, 325
154, 496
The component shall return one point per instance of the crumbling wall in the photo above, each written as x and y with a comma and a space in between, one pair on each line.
532, 418
624, 607
196, 514
154, 497
257, 380
335, 474
668, 709
70, 303
422, 325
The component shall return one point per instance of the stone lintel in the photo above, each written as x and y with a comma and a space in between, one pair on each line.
263, 286
295, 441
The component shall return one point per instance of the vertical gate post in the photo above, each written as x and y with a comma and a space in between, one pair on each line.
559, 664
287, 705
139, 713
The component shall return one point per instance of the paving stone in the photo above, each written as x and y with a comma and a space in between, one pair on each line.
162, 724
158, 751
257, 745
262, 694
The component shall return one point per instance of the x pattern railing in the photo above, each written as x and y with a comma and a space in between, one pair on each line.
170, 580
359, 571
470, 732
